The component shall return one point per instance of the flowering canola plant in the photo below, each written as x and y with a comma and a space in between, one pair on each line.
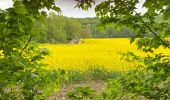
91, 53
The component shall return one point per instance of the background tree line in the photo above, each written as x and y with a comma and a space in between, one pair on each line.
61, 29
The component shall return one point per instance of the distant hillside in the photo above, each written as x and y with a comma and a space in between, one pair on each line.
61, 29
104, 31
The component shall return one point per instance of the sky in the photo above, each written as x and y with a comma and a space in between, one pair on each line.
67, 7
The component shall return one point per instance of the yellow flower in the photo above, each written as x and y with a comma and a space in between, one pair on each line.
103, 53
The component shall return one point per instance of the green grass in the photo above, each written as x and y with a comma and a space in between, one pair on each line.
93, 74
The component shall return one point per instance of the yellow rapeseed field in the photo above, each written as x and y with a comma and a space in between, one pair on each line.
91, 53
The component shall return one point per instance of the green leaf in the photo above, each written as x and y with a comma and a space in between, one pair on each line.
31, 18
151, 11
1, 26
167, 14
56, 9
42, 18
29, 21
167, 33
132, 40
20, 9
21, 28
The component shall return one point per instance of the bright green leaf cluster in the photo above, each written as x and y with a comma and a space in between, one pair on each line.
22, 76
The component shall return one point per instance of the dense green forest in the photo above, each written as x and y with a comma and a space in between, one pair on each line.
61, 29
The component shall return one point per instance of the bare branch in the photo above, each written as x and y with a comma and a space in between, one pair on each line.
29, 40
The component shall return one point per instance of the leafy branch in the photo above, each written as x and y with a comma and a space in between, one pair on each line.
156, 35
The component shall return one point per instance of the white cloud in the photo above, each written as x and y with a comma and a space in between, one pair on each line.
5, 4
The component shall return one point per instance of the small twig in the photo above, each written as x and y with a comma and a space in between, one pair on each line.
26, 45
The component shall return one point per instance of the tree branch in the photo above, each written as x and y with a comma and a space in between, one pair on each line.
26, 45
156, 35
